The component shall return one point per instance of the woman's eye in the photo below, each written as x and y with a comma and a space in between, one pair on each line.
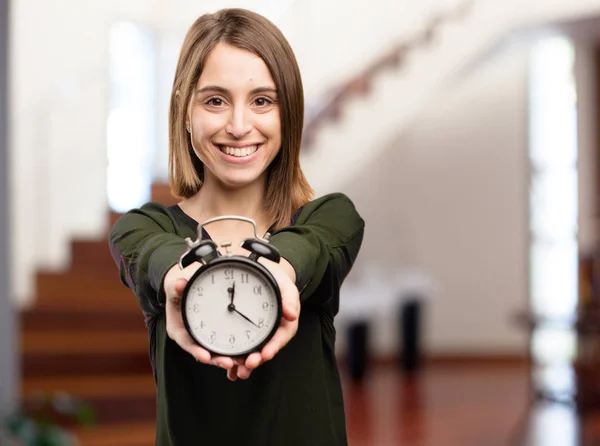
263, 102
214, 102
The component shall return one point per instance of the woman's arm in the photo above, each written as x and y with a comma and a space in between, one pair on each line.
145, 243
323, 242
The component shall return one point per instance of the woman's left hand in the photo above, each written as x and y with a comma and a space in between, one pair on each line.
285, 276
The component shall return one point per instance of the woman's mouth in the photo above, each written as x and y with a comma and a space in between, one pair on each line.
238, 152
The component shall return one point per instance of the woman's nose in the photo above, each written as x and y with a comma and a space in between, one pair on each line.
239, 125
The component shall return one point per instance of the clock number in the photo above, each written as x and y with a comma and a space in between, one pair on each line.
265, 306
261, 323
258, 290
232, 339
212, 279
245, 277
248, 334
202, 324
229, 273
213, 337
200, 291
196, 308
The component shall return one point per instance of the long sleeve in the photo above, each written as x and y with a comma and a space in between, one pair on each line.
322, 245
145, 243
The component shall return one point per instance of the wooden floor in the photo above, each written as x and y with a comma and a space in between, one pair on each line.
458, 405
441, 405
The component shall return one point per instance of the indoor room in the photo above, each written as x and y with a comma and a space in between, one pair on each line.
464, 133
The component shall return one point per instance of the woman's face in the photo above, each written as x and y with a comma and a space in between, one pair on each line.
234, 117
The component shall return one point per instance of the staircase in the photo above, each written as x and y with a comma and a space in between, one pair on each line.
368, 112
86, 336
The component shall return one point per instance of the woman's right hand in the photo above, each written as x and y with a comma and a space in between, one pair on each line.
175, 282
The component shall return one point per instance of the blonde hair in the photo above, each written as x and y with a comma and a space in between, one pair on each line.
287, 187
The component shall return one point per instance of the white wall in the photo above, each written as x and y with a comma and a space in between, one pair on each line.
58, 97
449, 196
333, 43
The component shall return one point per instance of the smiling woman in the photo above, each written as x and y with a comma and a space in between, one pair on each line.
235, 126
235, 121
239, 70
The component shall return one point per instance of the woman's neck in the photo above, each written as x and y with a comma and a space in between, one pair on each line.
214, 199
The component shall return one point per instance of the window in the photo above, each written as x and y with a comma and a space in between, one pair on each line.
131, 123
553, 198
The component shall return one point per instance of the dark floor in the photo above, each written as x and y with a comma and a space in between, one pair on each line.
458, 405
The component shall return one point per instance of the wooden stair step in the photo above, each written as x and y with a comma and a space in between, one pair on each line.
91, 387
107, 410
84, 364
93, 255
122, 434
161, 193
108, 303
112, 219
79, 285
113, 399
93, 342
128, 317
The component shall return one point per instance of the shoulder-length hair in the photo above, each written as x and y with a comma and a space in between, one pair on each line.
287, 187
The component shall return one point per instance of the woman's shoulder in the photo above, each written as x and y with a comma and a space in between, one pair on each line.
331, 197
333, 204
149, 215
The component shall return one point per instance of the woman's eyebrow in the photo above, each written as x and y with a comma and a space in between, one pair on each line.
222, 90
264, 90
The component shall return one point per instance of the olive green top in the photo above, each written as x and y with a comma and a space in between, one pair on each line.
294, 399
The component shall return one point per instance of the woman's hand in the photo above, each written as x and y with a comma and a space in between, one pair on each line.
175, 282
285, 277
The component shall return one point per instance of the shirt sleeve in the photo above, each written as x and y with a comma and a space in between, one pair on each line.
145, 243
322, 244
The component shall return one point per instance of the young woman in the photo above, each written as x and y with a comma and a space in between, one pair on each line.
235, 120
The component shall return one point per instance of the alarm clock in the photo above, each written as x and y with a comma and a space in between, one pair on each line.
231, 306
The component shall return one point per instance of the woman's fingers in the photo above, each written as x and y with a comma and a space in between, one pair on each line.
179, 286
232, 373
253, 360
282, 336
186, 343
290, 305
243, 372
177, 331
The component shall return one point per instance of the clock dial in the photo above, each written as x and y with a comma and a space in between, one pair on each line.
231, 308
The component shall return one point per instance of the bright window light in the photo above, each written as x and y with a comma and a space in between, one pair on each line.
553, 194
131, 128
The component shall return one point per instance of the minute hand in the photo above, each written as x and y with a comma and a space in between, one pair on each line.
245, 317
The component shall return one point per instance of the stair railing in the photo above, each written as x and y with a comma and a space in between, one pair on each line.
361, 82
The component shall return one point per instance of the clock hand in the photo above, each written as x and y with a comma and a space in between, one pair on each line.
231, 291
231, 307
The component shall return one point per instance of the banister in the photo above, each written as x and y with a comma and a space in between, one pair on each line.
360, 83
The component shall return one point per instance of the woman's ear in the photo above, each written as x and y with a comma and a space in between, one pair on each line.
187, 126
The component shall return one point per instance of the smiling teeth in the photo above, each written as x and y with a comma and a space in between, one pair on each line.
239, 152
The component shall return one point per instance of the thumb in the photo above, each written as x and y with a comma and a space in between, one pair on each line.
290, 309
179, 286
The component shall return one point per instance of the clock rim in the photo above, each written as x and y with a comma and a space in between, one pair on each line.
247, 262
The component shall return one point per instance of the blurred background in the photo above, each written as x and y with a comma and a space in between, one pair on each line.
464, 131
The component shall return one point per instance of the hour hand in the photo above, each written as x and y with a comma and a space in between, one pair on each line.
231, 291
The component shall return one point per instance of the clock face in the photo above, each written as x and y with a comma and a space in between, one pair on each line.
231, 308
